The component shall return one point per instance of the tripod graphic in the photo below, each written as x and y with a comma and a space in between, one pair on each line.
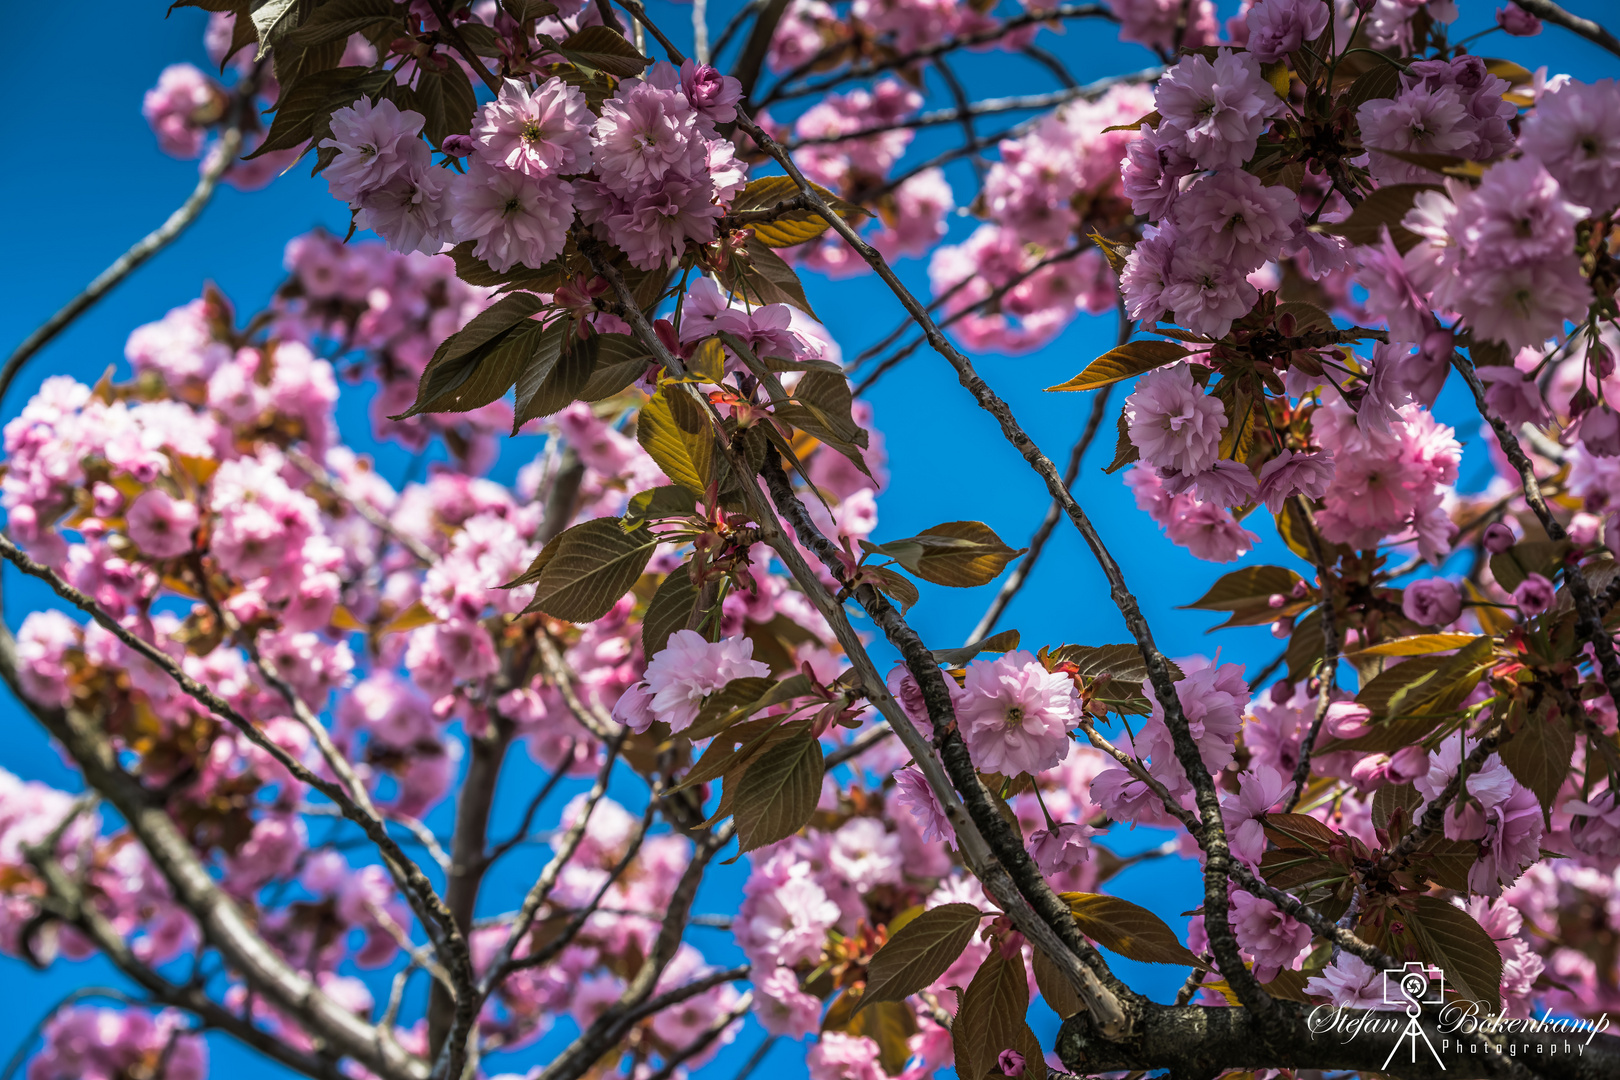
1415, 983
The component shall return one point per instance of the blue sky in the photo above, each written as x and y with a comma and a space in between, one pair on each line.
76, 210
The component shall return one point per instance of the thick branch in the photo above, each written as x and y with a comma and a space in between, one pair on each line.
1194, 1041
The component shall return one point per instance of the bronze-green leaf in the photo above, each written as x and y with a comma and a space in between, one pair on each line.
920, 953
1539, 756
459, 377
1123, 362
992, 1018
778, 792
669, 610
594, 564
961, 554
673, 430
604, 49
1382, 209
1132, 931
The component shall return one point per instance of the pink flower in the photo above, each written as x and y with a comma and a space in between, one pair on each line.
1513, 395
83, 1043
1173, 422
513, 217
1206, 294
913, 794
1152, 173
689, 668
544, 133
1594, 826
1418, 120
1225, 483
785, 915
1279, 27
1215, 112
1265, 932
1517, 21
1519, 214
784, 1009
374, 142
1232, 217
410, 211
1010, 1063
1212, 700
655, 222
1534, 595
1290, 473
1498, 538
180, 109
1259, 792
711, 93
1349, 982
1512, 841
1599, 430
1431, 602
921, 205
837, 1056
161, 526
643, 134
1574, 131
1062, 848
1015, 715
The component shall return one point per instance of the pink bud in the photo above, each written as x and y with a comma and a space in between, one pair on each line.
1498, 538
1347, 720
457, 146
1602, 360
1409, 763
1010, 1063
1534, 595
1600, 432
1276, 600
1371, 771
1282, 628
1517, 21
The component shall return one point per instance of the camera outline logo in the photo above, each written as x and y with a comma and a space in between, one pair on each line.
1412, 986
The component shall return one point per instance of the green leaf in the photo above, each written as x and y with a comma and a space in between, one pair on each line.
673, 430
920, 953
1391, 797
1006, 641
961, 554
1427, 685
335, 20
526, 11
666, 501
1540, 754
1123, 927
273, 19
595, 563
1126, 361
552, 382
1120, 662
896, 587
1055, 988
1418, 645
465, 372
446, 101
991, 1019
793, 226
1383, 208
669, 610
605, 50
1382, 80
1460, 947
620, 361
822, 406
1252, 586
767, 279
1125, 451
778, 792
1299, 832
475, 271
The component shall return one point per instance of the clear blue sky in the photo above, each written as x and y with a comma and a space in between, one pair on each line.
75, 210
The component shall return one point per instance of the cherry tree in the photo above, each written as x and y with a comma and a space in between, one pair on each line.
270, 665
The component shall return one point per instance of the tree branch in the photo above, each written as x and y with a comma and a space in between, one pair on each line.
1548, 11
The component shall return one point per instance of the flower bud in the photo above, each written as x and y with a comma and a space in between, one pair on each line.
1534, 595
1432, 602
1010, 1063
1600, 432
1498, 538
457, 146
1517, 21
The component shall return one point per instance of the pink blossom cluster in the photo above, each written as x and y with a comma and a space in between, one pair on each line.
96, 1043
662, 176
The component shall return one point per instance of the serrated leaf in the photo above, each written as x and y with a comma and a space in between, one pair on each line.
446, 101
594, 564
1128, 929
896, 587
1124, 362
1426, 685
672, 429
1006, 641
778, 792
1456, 944
272, 19
1250, 587
1544, 557
1056, 990
991, 1019
545, 388
1539, 756
1418, 645
823, 406
1379, 81
1391, 797
1299, 832
335, 20
1123, 663
665, 501
920, 953
604, 49
767, 279
960, 554
1125, 451
669, 610
475, 271
457, 378
620, 361
792, 226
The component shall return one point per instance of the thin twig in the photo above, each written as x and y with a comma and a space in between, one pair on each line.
1586, 28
